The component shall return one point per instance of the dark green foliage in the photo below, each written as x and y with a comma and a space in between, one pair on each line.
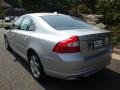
110, 9
115, 29
46, 5
14, 3
91, 4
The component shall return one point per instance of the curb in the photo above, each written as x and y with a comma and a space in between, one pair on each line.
117, 51
116, 56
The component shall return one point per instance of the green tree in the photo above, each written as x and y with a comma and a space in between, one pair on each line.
91, 4
110, 9
14, 3
46, 5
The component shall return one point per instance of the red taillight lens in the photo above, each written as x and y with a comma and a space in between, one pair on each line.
69, 45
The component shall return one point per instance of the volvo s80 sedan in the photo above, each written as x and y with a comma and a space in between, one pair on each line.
59, 45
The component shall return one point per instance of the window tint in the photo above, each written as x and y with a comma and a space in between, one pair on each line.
64, 22
25, 24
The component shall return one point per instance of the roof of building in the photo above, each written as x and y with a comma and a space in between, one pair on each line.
5, 4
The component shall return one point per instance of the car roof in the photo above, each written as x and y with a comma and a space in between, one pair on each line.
42, 14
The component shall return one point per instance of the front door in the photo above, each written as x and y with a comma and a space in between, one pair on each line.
23, 35
11, 37
12, 32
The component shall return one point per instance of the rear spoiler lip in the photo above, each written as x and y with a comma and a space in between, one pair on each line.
95, 35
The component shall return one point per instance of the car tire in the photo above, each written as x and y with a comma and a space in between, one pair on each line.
7, 46
36, 66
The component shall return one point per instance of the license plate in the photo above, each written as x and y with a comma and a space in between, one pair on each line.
97, 43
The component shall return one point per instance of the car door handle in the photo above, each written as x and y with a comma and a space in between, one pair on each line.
25, 38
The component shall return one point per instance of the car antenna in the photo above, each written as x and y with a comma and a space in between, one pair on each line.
55, 13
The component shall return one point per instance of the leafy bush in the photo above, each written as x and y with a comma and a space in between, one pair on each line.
115, 33
111, 19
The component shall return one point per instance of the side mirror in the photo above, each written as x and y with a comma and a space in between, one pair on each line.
7, 27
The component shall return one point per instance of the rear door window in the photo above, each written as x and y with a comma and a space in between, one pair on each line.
27, 24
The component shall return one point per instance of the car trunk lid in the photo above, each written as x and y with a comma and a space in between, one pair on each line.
92, 42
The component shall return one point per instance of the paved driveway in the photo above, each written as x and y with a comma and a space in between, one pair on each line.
15, 75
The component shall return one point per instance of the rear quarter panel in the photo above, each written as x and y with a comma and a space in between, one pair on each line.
43, 42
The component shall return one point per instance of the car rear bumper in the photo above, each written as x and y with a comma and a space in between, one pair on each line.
67, 68
81, 73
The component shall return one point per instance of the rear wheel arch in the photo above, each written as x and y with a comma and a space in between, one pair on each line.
30, 51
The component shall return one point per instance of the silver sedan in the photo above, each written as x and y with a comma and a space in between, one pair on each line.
59, 45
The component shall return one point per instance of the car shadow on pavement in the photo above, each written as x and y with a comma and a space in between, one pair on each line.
20, 60
103, 80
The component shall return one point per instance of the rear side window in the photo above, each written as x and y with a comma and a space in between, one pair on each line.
32, 26
27, 24
64, 22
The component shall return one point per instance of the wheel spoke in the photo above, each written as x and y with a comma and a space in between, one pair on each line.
34, 66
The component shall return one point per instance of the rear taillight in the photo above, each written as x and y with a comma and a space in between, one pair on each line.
69, 45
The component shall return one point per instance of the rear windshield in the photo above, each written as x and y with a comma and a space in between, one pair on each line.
64, 22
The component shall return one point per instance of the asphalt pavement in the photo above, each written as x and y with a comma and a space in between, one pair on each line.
15, 75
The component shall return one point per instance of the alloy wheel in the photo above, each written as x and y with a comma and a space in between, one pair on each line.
35, 66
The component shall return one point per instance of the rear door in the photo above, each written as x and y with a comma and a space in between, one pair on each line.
12, 32
27, 27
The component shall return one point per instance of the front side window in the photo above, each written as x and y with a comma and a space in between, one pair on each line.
64, 22
17, 23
